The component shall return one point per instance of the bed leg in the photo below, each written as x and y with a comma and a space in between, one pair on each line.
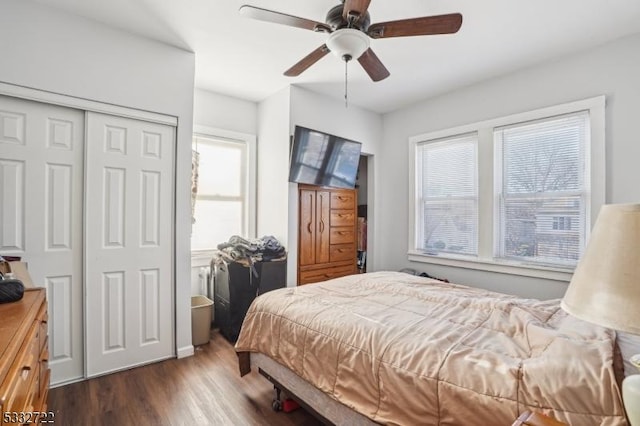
276, 405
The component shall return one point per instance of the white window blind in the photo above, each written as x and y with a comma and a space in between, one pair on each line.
221, 202
542, 188
448, 196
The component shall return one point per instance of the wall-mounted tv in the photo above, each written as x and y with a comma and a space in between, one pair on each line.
318, 158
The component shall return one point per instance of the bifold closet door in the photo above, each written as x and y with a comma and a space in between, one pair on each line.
41, 184
128, 243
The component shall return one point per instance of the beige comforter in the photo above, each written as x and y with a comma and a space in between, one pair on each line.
408, 350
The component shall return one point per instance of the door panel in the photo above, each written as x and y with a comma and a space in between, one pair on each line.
41, 196
129, 240
307, 231
323, 201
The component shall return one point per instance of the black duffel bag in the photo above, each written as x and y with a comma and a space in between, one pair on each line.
11, 290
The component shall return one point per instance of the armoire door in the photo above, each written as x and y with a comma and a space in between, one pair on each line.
41, 199
314, 226
323, 203
129, 243
307, 225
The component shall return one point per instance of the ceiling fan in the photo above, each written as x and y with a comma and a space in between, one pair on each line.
350, 29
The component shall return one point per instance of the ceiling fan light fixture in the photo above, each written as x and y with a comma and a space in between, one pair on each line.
348, 42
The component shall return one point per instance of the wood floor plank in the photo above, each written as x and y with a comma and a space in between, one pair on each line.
205, 389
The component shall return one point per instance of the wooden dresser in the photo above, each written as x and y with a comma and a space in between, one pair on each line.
24, 356
327, 237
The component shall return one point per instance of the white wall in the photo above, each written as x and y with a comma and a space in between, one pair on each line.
312, 110
45, 49
224, 112
611, 70
329, 115
273, 166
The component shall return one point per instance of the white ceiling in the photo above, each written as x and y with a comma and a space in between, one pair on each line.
245, 58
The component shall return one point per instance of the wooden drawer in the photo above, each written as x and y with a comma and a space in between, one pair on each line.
21, 384
343, 218
43, 318
338, 252
43, 368
24, 368
341, 235
343, 199
307, 277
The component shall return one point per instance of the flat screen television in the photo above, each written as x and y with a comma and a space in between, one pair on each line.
318, 158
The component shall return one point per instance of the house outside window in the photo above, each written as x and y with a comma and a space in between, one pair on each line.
538, 179
225, 200
561, 223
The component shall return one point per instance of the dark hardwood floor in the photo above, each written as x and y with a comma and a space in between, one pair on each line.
205, 389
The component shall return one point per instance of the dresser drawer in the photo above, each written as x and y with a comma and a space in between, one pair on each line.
338, 252
343, 200
343, 218
341, 235
308, 277
22, 381
43, 318
43, 368
24, 372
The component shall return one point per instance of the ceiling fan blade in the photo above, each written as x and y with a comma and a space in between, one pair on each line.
428, 25
372, 65
282, 18
307, 61
358, 7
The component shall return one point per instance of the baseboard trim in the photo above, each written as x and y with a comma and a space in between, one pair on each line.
185, 351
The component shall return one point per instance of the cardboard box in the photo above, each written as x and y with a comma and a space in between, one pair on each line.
19, 271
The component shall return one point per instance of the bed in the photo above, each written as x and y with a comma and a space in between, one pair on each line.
393, 348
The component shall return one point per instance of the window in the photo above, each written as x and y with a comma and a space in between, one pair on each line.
513, 194
226, 190
542, 185
448, 195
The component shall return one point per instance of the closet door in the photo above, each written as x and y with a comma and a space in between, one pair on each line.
129, 243
41, 177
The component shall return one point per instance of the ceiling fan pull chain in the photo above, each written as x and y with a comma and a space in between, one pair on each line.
346, 59
346, 99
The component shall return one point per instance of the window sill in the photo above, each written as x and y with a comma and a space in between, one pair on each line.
549, 273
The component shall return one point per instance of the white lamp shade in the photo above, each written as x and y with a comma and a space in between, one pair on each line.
348, 41
605, 287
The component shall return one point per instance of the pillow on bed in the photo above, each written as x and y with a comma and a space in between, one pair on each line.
629, 345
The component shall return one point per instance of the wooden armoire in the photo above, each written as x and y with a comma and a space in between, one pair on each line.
327, 237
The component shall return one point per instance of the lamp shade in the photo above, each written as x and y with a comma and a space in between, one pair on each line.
348, 42
605, 287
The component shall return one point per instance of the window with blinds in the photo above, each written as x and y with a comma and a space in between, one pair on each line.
542, 189
448, 195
